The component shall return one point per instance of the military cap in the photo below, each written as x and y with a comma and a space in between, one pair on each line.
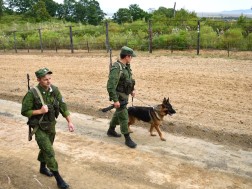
127, 51
42, 72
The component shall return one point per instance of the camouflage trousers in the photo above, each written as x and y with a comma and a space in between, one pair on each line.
46, 154
120, 117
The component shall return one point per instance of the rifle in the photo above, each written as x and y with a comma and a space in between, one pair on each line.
110, 58
30, 130
122, 103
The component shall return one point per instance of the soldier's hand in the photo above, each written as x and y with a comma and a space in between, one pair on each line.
117, 104
44, 109
133, 93
70, 127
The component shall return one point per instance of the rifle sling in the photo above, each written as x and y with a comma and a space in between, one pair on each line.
37, 92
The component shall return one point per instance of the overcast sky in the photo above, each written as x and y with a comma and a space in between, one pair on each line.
112, 6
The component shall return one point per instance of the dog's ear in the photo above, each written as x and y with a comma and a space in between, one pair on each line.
164, 101
167, 100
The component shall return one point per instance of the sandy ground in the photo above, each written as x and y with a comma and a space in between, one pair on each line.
90, 159
208, 141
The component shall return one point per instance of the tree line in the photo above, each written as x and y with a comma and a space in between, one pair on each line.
84, 11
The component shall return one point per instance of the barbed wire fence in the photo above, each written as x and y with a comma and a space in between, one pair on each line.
70, 39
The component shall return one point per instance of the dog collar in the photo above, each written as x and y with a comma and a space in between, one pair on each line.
156, 113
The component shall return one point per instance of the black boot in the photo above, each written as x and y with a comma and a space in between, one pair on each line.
60, 182
44, 170
129, 142
111, 132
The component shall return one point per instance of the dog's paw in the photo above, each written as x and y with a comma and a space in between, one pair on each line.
163, 139
153, 134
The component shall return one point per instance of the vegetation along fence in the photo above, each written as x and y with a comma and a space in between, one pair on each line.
140, 35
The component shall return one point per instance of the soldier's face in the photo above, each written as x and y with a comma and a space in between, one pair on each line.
128, 58
45, 81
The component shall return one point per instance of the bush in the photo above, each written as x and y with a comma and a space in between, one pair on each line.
208, 37
233, 38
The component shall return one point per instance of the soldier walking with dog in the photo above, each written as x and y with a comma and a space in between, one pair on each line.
120, 84
42, 105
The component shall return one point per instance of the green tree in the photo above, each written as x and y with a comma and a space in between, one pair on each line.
94, 14
123, 15
249, 42
51, 7
163, 12
80, 11
245, 24
85, 11
39, 11
182, 14
208, 37
68, 10
137, 13
233, 38
1, 8
161, 18
183, 18
20, 6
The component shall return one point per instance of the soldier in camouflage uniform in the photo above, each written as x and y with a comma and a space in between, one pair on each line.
120, 84
42, 118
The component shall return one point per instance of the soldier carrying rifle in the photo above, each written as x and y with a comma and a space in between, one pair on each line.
120, 84
42, 105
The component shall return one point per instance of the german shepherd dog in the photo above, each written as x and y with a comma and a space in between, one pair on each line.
153, 115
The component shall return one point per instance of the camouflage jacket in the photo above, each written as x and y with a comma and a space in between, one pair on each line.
29, 102
117, 77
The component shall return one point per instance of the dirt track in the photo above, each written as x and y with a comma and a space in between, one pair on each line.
90, 159
212, 97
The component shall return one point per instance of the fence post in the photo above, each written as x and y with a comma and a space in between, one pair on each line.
198, 41
15, 43
56, 48
174, 8
228, 48
40, 39
71, 39
107, 37
88, 46
150, 36
171, 47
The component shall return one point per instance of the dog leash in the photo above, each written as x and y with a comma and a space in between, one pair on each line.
141, 101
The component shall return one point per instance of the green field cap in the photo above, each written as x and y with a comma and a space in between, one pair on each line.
42, 72
127, 51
